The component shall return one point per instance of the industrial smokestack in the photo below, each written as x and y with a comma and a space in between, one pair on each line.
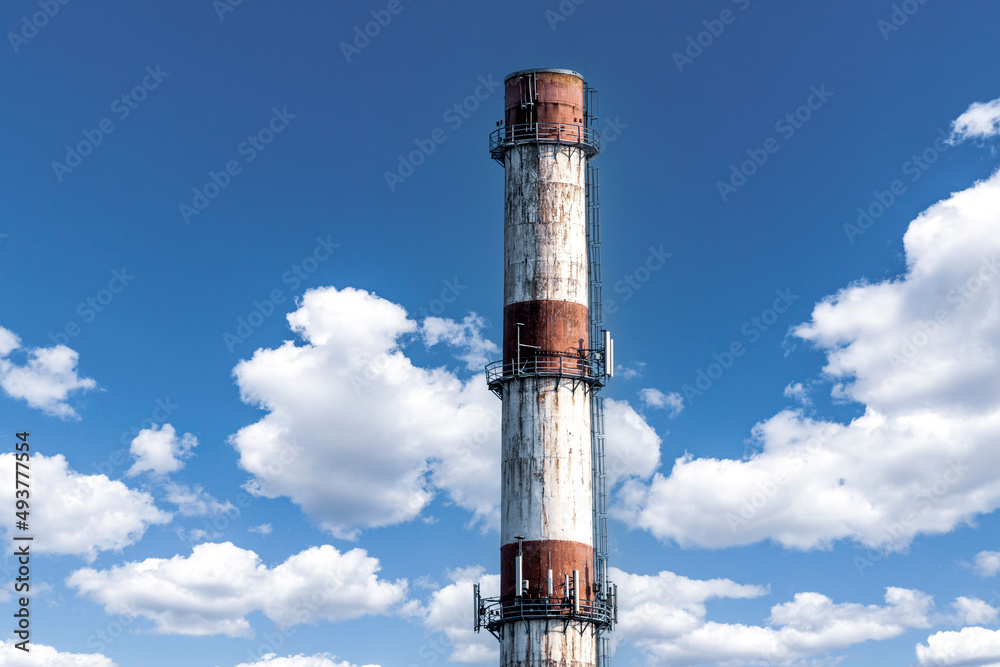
547, 379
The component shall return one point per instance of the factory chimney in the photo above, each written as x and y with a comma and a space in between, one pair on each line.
555, 602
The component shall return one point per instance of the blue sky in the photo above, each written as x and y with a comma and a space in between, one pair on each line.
245, 326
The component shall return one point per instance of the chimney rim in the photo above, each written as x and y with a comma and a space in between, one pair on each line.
536, 70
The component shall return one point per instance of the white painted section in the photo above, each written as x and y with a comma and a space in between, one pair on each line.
547, 470
537, 644
545, 232
547, 489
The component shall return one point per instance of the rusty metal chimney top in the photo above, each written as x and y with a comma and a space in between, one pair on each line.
540, 70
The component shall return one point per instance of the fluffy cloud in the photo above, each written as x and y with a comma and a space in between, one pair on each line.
630, 372
323, 660
79, 514
355, 432
213, 590
981, 120
46, 380
664, 616
922, 354
970, 647
972, 611
986, 563
359, 436
653, 608
195, 501
465, 335
797, 392
158, 450
632, 447
654, 398
46, 656
448, 611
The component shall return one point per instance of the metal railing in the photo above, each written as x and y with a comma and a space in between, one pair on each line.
587, 368
495, 612
567, 134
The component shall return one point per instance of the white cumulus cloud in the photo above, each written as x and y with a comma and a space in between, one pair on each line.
47, 378
986, 563
654, 398
654, 608
797, 392
356, 433
921, 353
664, 616
449, 611
632, 447
969, 647
321, 660
73, 513
980, 120
195, 501
160, 451
41, 655
212, 591
465, 335
973, 611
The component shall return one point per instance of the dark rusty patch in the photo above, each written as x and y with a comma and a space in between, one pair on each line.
566, 556
553, 326
543, 97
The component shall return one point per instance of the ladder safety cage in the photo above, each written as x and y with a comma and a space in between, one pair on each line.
606, 589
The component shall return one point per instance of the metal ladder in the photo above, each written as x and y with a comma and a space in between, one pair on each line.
596, 309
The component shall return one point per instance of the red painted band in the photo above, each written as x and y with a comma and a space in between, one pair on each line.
537, 557
552, 326
545, 97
